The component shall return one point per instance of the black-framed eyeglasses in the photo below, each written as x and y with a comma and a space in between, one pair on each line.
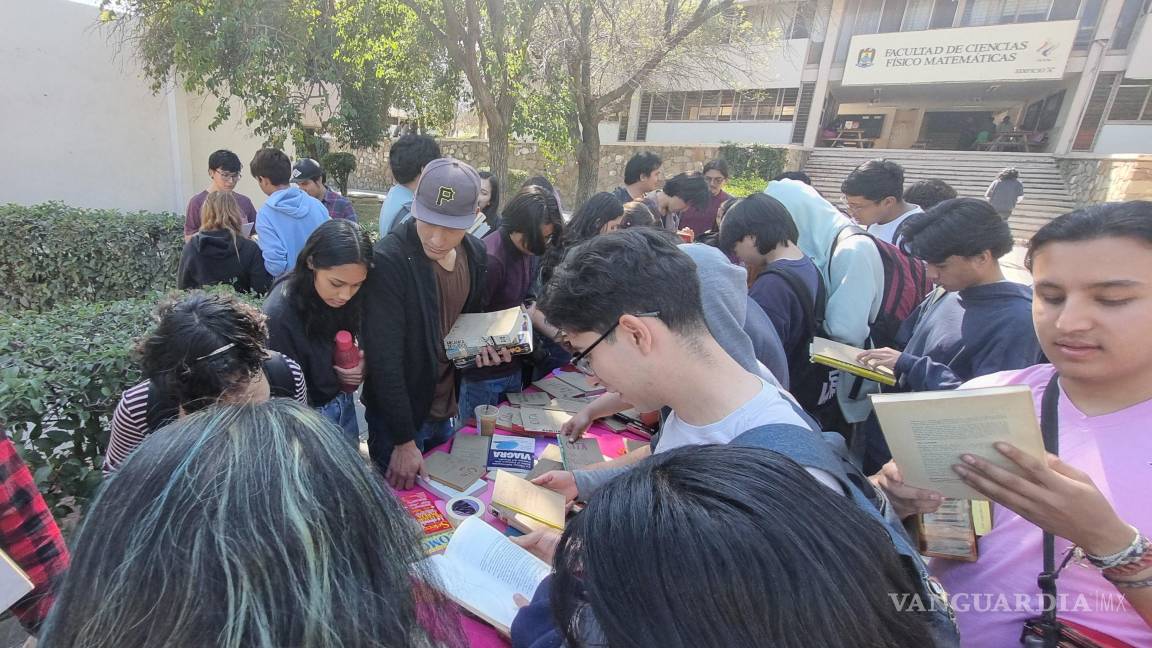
228, 175
581, 360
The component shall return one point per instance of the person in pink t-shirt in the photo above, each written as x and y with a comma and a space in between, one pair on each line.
1092, 311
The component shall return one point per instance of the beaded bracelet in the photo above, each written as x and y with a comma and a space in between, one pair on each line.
1130, 554
1142, 563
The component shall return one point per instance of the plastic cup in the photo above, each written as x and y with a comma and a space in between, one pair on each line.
486, 419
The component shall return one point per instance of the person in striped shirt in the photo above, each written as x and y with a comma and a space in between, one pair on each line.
206, 349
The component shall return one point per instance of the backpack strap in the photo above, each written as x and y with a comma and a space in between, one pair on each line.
813, 306
1046, 580
281, 382
401, 216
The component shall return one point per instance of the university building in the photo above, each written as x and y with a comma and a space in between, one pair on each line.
1068, 76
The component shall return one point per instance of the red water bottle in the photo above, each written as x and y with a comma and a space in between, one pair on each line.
346, 355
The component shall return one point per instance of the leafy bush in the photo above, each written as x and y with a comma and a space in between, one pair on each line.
516, 178
745, 186
51, 254
61, 375
754, 160
339, 166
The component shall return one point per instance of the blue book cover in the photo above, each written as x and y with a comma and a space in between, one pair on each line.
511, 453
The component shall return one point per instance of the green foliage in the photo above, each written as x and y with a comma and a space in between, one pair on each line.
61, 375
516, 178
51, 253
338, 166
308, 143
745, 186
335, 63
754, 160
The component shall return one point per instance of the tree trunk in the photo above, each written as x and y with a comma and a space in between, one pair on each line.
587, 160
498, 158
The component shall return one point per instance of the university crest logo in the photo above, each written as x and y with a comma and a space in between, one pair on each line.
866, 57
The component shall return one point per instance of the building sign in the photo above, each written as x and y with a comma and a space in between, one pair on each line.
1001, 53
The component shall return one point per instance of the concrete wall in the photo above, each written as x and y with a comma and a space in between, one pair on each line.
1124, 138
82, 126
1107, 178
695, 132
372, 172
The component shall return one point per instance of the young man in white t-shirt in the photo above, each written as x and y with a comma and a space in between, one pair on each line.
874, 194
629, 303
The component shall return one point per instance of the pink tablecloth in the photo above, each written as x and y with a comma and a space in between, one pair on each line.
481, 635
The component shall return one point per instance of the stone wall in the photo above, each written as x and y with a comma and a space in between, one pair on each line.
1107, 178
372, 173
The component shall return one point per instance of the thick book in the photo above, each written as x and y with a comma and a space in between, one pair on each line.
482, 571
513, 493
514, 454
928, 431
843, 357
509, 329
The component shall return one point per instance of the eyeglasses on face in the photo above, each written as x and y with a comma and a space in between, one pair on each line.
715, 179
581, 360
228, 175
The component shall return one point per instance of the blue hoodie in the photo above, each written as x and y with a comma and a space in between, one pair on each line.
284, 223
962, 335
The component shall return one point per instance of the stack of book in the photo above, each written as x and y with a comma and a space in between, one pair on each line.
509, 330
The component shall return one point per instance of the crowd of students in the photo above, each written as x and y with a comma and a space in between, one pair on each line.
767, 509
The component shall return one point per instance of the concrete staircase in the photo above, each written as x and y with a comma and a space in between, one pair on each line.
969, 172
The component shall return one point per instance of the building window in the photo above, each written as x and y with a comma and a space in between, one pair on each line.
1089, 20
1129, 18
1131, 101
979, 13
771, 104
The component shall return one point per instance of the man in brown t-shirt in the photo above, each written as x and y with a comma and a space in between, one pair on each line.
425, 273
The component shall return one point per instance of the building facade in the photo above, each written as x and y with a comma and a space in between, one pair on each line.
1068, 75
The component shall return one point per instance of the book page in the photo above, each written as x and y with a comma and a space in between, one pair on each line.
521, 496
928, 431
471, 449
537, 399
482, 570
14, 583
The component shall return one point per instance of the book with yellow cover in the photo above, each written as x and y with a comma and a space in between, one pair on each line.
519, 495
843, 357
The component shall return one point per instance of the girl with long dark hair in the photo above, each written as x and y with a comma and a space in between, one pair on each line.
309, 306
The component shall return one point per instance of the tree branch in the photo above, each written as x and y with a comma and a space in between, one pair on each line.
701, 15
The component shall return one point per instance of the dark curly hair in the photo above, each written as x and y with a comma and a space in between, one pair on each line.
203, 346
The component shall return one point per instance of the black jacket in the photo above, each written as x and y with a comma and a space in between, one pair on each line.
286, 334
211, 258
401, 330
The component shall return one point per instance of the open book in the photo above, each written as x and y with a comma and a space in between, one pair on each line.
843, 357
481, 570
507, 329
928, 431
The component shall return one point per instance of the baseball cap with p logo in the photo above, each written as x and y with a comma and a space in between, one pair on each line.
447, 194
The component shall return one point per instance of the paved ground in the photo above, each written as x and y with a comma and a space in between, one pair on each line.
1013, 265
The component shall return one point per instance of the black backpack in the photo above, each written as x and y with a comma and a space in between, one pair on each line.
813, 385
163, 409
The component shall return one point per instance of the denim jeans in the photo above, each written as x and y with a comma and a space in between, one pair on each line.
474, 393
342, 411
430, 435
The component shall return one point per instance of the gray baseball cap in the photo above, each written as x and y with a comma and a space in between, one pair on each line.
447, 194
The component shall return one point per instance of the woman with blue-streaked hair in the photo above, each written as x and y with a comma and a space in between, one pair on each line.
248, 526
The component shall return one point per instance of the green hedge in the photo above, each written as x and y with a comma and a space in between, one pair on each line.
51, 254
754, 160
61, 375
